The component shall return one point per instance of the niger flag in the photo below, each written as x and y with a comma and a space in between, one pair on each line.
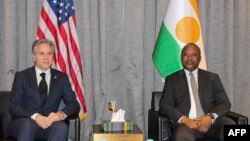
180, 26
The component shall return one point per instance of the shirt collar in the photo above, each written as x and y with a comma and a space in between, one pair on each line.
38, 71
195, 72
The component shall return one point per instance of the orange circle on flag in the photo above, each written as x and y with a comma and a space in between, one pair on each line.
188, 30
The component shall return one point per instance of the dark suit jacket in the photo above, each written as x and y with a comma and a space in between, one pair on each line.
175, 101
25, 99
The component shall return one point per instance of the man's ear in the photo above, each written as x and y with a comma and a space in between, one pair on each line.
33, 57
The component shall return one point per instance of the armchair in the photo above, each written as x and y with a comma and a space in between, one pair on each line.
5, 117
160, 127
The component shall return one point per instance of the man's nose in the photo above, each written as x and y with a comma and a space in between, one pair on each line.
46, 56
189, 57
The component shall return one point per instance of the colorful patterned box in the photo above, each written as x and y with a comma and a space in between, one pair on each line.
117, 126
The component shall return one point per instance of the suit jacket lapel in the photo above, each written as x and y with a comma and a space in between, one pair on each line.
53, 79
33, 80
185, 89
183, 81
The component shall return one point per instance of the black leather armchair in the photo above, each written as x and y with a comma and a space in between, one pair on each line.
5, 117
160, 128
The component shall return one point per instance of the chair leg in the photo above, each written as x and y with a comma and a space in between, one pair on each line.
77, 129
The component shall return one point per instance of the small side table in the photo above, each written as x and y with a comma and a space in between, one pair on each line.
100, 135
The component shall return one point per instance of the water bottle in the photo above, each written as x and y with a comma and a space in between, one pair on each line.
149, 140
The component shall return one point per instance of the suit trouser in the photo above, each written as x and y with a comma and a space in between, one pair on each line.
183, 133
25, 129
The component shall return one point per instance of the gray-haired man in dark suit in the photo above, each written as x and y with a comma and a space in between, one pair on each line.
35, 115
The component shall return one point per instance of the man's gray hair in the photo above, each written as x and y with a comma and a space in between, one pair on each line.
43, 41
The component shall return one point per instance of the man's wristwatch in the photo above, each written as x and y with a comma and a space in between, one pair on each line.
211, 115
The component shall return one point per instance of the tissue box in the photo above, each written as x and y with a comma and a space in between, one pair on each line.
117, 126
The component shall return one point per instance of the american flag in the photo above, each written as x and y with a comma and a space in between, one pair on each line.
58, 23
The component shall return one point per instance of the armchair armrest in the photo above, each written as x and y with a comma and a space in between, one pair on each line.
75, 122
238, 118
1, 126
159, 127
